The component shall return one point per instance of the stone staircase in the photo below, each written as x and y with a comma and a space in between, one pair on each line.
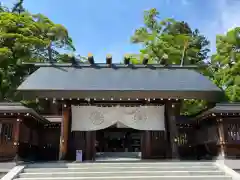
5, 167
115, 156
124, 171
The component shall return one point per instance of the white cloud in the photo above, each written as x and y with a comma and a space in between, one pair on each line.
229, 14
226, 16
8, 2
183, 2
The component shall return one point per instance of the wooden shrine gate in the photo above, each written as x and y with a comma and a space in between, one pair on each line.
153, 145
218, 131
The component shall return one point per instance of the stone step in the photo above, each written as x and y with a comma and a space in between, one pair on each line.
2, 174
122, 168
134, 178
122, 174
129, 164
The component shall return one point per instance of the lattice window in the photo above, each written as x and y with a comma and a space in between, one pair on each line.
6, 132
157, 134
233, 132
182, 139
212, 134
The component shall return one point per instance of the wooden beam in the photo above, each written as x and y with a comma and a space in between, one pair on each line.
167, 134
16, 137
123, 102
90, 142
109, 59
173, 111
221, 137
146, 144
145, 60
64, 132
90, 59
126, 60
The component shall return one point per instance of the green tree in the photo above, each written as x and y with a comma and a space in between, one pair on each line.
18, 7
226, 64
26, 37
169, 42
3, 8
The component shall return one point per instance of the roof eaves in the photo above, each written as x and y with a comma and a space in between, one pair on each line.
38, 116
21, 109
218, 109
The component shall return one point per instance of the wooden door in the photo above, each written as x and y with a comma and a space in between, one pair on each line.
158, 145
7, 148
50, 139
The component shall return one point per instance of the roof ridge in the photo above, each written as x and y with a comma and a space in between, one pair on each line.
11, 104
228, 104
117, 65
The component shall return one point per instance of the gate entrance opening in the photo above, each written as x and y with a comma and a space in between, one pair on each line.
118, 141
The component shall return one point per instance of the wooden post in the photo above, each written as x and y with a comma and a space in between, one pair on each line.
167, 134
146, 144
93, 145
16, 137
64, 132
221, 138
173, 111
89, 145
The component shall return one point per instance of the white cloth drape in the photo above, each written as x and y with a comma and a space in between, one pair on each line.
90, 118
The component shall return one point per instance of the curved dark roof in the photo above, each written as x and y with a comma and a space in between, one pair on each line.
225, 108
15, 107
118, 82
53, 118
184, 120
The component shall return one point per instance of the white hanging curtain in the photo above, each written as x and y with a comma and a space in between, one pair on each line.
91, 118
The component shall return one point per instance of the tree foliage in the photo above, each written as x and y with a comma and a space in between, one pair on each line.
170, 42
18, 7
226, 64
26, 37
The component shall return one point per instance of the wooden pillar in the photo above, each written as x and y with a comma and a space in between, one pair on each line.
167, 134
93, 145
89, 145
173, 111
146, 144
64, 132
16, 137
221, 137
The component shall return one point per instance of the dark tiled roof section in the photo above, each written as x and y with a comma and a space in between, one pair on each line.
54, 119
226, 108
15, 107
221, 108
87, 81
184, 120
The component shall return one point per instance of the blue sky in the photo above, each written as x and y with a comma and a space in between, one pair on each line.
105, 26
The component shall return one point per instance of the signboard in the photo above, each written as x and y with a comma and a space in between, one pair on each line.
79, 155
